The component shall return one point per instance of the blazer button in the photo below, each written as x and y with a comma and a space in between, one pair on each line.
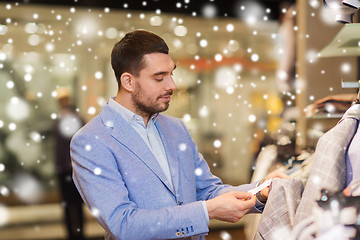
178, 234
183, 233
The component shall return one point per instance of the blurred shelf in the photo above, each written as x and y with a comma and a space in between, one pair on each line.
326, 116
345, 43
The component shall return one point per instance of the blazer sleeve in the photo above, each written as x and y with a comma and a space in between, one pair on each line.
208, 185
102, 187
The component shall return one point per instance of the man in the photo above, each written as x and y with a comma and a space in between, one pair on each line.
139, 171
66, 125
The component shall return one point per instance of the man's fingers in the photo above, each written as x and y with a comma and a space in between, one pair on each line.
249, 203
265, 192
242, 195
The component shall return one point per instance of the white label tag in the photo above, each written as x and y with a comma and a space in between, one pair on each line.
260, 187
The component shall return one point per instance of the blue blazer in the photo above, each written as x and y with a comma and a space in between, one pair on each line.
125, 188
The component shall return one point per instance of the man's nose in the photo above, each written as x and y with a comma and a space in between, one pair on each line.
171, 84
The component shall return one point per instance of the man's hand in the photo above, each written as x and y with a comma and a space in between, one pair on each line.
276, 174
230, 206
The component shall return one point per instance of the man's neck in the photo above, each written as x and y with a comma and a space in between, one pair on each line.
127, 103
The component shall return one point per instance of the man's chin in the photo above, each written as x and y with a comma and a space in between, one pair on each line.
159, 110
164, 108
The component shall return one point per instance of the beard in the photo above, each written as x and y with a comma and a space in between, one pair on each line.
146, 105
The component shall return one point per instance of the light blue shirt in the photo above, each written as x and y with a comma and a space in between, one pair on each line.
148, 133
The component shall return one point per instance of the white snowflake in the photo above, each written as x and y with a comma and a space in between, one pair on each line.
35, 136
182, 147
230, 27
255, 57
203, 43
28, 189
345, 68
98, 75
91, 110
316, 180
224, 235
198, 172
87, 147
187, 117
218, 57
217, 143
252, 118
97, 171
209, 10
109, 124
69, 125
4, 191
204, 111
12, 126
95, 212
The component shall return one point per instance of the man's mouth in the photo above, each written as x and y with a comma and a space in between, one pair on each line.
166, 96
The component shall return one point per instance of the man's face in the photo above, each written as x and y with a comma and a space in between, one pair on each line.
154, 85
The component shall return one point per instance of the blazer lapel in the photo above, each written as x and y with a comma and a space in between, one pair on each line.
126, 135
171, 150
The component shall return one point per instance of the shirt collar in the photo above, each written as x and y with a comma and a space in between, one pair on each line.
128, 115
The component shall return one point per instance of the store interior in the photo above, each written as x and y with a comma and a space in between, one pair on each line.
248, 81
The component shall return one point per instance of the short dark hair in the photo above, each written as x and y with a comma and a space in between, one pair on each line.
127, 54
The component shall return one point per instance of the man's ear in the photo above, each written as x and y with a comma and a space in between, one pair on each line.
127, 81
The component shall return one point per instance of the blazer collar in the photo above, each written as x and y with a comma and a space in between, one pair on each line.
352, 112
127, 136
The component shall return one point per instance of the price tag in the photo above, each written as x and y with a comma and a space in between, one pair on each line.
260, 187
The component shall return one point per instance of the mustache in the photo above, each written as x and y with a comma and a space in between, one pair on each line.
166, 94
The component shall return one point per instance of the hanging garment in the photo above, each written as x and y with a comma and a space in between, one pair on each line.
267, 157
266, 160
305, 230
333, 217
278, 216
303, 171
352, 158
310, 228
329, 171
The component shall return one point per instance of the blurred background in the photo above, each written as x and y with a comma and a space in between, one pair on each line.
246, 70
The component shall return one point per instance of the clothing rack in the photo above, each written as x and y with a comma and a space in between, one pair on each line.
352, 85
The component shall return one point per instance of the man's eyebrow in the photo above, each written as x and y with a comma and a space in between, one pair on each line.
162, 73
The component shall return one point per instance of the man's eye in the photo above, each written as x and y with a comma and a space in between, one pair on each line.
159, 79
